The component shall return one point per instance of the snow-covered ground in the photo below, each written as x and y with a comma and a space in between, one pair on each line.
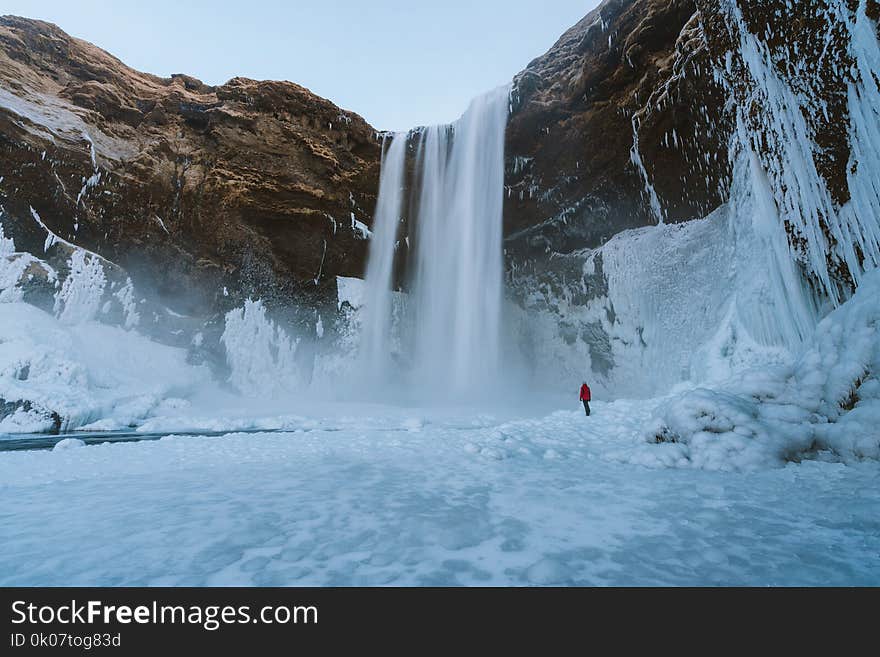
405, 499
770, 477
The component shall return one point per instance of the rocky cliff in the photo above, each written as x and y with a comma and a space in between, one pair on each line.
741, 139
203, 195
610, 129
646, 113
634, 116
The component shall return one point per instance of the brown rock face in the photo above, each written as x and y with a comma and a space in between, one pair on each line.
250, 186
619, 125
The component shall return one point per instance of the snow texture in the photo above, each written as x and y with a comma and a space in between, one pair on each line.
86, 372
384, 498
826, 404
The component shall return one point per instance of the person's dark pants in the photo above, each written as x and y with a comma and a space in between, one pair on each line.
586, 407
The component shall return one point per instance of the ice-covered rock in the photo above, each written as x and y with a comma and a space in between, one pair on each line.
59, 376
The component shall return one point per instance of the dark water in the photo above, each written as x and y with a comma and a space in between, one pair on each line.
16, 442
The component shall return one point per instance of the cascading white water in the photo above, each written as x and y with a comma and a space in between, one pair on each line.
456, 271
375, 349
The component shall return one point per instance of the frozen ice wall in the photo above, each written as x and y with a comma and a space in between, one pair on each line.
663, 305
824, 404
784, 99
699, 302
632, 315
260, 354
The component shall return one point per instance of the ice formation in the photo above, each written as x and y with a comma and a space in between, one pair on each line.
831, 233
657, 307
79, 298
260, 354
62, 376
824, 404
734, 359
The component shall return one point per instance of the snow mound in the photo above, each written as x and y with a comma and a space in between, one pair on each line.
55, 376
68, 443
825, 404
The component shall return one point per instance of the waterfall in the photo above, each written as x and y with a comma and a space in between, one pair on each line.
458, 268
455, 269
376, 346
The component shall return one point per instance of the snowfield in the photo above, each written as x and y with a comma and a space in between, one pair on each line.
408, 500
768, 478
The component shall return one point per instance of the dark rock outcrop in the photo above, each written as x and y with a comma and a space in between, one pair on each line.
611, 130
630, 118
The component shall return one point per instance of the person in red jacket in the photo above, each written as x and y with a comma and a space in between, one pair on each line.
585, 397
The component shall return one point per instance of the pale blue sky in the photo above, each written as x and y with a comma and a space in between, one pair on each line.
398, 63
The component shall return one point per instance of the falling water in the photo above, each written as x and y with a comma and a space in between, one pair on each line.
456, 267
375, 352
